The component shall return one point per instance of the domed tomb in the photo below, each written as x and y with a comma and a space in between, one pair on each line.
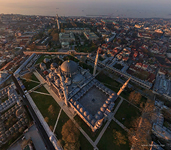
69, 67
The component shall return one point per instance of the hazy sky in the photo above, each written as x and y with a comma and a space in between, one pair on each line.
122, 8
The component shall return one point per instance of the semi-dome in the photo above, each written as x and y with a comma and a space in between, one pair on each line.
53, 66
69, 66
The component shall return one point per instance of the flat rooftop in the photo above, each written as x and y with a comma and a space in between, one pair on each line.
93, 100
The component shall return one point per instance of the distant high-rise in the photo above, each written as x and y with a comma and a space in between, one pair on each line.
57, 22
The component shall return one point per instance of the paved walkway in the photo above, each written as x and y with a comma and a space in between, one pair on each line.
102, 132
30, 80
121, 125
41, 93
34, 88
57, 120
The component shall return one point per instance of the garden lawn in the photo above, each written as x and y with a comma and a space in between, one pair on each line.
32, 77
42, 89
43, 102
109, 82
127, 113
84, 143
29, 85
107, 140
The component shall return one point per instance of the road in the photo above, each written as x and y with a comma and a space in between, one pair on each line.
39, 126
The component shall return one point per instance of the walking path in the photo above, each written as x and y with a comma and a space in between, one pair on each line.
121, 125
57, 120
30, 80
34, 88
102, 132
41, 93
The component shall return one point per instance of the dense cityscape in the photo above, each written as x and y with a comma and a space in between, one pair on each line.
85, 83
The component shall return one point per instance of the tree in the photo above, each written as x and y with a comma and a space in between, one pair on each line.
27, 76
47, 119
70, 134
55, 37
135, 97
135, 123
51, 109
71, 146
119, 138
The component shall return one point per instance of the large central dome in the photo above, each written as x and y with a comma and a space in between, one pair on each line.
69, 66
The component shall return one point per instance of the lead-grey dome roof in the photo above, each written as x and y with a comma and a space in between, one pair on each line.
69, 66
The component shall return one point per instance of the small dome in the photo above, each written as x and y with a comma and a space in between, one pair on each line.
99, 113
89, 117
46, 60
107, 102
85, 113
93, 121
104, 105
97, 116
75, 103
81, 109
69, 66
53, 66
78, 106
102, 109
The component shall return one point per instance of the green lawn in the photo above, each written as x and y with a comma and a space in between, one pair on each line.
109, 82
84, 144
107, 140
128, 112
125, 93
31, 76
29, 85
42, 89
86, 49
87, 129
116, 102
43, 102
41, 58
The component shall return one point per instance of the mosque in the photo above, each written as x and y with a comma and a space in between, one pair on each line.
79, 89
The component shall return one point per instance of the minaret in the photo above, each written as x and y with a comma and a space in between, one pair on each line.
123, 87
57, 22
95, 63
